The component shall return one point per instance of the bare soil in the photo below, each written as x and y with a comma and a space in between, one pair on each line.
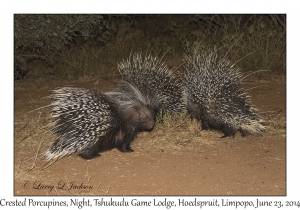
173, 159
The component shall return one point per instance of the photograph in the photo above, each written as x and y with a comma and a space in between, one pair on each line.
187, 104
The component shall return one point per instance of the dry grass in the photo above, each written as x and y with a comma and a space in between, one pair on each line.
174, 133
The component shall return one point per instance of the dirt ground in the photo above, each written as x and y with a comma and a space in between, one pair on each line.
173, 159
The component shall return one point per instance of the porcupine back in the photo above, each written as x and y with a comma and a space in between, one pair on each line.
215, 97
155, 81
88, 122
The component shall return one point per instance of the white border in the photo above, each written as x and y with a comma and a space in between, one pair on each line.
8, 8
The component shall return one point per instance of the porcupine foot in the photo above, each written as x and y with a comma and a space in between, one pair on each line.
90, 154
125, 147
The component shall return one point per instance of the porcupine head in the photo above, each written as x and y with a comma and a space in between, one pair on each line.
134, 119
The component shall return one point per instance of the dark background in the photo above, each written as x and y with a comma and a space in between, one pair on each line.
73, 46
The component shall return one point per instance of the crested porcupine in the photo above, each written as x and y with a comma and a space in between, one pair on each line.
88, 122
20, 67
155, 81
215, 97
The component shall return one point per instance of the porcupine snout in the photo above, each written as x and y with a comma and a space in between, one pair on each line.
141, 117
147, 119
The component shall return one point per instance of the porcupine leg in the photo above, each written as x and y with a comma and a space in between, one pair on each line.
125, 145
228, 131
243, 133
91, 152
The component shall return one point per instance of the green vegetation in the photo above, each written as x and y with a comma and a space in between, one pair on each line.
74, 46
